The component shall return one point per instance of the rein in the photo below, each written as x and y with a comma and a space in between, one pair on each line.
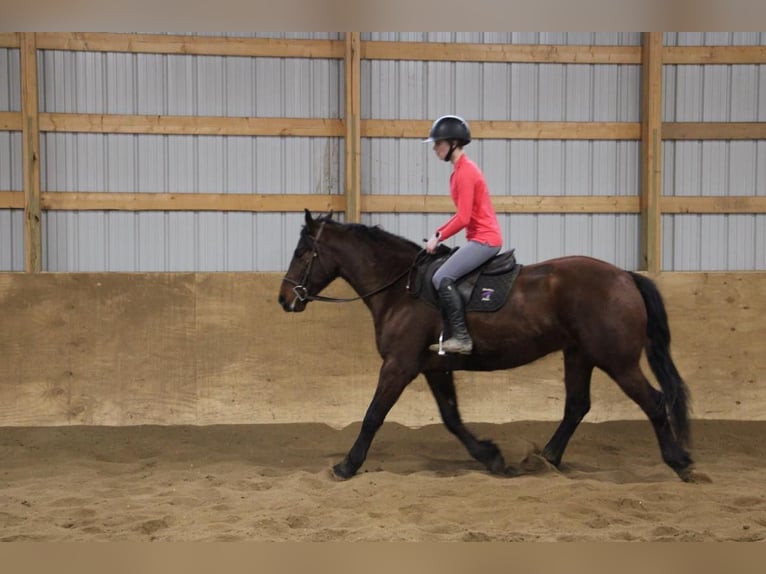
307, 297
301, 291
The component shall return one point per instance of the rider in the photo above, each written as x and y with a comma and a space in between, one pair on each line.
475, 214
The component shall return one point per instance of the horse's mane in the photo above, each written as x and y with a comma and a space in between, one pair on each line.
373, 233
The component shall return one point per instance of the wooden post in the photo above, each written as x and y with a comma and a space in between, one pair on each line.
651, 151
30, 154
352, 123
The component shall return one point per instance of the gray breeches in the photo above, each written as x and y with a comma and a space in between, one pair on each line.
464, 260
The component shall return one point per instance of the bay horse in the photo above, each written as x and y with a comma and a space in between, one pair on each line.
597, 314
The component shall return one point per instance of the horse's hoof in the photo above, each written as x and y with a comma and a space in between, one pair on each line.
511, 471
497, 466
550, 458
341, 472
692, 476
536, 463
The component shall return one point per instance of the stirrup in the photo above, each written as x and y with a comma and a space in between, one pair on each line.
439, 347
441, 350
462, 347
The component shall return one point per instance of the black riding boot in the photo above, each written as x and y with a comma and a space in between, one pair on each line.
453, 314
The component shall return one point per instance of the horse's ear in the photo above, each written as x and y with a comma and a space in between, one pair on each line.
310, 222
329, 214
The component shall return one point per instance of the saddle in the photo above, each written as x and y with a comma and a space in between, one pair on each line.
485, 289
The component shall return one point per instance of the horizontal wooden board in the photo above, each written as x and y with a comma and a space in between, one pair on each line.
115, 201
503, 204
9, 40
450, 52
318, 127
190, 125
11, 200
714, 131
714, 55
481, 129
713, 205
428, 51
189, 45
10, 121
102, 201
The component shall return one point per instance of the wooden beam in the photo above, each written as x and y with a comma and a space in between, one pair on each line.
109, 201
116, 201
451, 52
216, 125
9, 40
510, 130
11, 200
419, 51
504, 204
10, 121
30, 155
714, 55
352, 125
651, 151
714, 131
189, 45
190, 125
740, 204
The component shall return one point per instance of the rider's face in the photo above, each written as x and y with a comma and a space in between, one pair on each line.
441, 149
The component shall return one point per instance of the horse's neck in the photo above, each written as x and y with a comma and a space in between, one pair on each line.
373, 267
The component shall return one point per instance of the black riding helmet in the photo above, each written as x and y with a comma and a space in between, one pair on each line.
453, 129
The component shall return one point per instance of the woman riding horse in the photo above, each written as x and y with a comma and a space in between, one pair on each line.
475, 214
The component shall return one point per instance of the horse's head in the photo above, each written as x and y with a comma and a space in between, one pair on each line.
311, 268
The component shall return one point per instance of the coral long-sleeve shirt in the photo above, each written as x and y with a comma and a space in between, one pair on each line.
475, 213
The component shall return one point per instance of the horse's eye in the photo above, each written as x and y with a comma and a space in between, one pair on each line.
301, 250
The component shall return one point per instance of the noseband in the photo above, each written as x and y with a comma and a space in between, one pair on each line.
301, 292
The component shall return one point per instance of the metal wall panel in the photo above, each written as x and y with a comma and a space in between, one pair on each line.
10, 80
271, 87
714, 93
11, 240
87, 82
184, 85
11, 177
206, 241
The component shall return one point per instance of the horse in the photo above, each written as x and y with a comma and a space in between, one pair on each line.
599, 315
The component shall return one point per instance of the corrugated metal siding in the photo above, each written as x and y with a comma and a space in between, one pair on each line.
268, 87
11, 240
517, 92
10, 80
714, 93
148, 241
11, 177
184, 85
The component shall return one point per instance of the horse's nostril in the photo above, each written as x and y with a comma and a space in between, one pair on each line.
283, 302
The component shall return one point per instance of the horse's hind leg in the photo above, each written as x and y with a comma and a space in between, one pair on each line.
442, 386
652, 402
577, 374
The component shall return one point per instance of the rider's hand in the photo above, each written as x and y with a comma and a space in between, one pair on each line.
432, 243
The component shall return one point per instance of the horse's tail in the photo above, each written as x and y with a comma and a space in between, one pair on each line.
675, 392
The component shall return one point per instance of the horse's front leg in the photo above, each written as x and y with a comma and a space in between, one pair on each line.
393, 379
442, 385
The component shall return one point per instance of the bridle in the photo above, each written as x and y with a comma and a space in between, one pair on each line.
301, 291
